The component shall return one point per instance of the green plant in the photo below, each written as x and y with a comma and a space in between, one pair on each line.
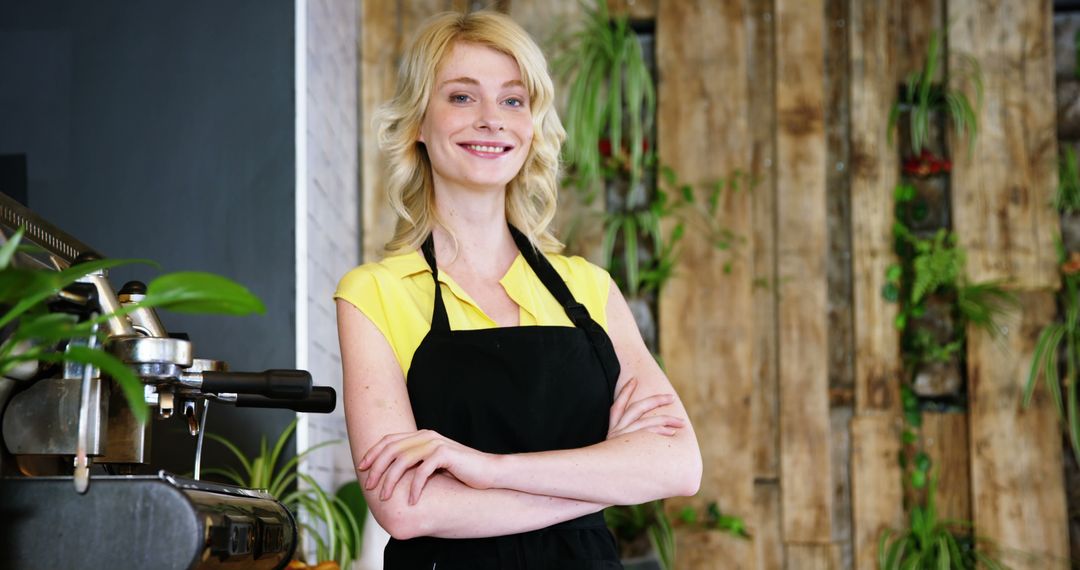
611, 96
38, 333
338, 514
1067, 197
922, 96
932, 543
633, 524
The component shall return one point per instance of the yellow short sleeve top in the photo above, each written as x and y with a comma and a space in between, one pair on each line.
397, 294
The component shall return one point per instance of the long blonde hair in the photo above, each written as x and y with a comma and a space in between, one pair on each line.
532, 195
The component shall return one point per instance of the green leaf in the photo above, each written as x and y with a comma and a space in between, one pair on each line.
198, 292
130, 384
7, 251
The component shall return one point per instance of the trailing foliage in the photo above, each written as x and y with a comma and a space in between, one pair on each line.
1067, 198
611, 96
38, 333
922, 97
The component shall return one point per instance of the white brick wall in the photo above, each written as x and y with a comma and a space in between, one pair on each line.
329, 216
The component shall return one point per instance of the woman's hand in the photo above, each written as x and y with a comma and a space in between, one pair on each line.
426, 451
626, 417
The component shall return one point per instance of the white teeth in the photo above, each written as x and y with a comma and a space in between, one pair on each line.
483, 148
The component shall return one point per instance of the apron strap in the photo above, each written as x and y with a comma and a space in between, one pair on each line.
439, 321
579, 315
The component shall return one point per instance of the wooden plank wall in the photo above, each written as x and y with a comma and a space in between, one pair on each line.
806, 499
1002, 215
742, 86
706, 316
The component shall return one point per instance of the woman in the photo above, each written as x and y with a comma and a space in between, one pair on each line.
482, 412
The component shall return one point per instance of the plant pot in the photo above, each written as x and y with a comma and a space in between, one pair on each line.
930, 210
647, 561
938, 319
1070, 231
938, 379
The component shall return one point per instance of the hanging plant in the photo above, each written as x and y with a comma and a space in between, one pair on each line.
922, 97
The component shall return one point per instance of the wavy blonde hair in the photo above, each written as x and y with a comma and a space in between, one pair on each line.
532, 195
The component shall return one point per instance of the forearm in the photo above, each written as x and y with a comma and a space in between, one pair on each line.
451, 509
630, 469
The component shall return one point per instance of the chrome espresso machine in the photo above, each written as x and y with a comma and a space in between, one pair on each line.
69, 495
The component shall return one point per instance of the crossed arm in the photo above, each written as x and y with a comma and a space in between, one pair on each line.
419, 483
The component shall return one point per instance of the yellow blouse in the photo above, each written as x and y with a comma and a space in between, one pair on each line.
397, 295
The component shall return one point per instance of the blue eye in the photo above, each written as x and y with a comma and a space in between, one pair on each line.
459, 98
515, 102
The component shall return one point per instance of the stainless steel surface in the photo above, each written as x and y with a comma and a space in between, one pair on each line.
82, 461
44, 418
109, 304
127, 441
144, 320
149, 350
40, 232
199, 442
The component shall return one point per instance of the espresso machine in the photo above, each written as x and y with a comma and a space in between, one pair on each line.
71, 449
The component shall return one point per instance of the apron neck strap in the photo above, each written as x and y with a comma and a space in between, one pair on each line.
577, 312
439, 320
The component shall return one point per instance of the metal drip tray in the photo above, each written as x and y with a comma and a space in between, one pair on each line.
153, 522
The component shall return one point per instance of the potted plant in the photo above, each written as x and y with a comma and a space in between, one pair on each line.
338, 518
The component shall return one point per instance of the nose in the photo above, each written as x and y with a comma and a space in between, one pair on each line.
489, 118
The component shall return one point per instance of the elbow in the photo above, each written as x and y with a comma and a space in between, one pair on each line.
400, 524
689, 482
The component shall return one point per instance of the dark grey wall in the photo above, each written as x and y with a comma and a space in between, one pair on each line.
165, 130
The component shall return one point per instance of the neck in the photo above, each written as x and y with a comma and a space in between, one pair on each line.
478, 222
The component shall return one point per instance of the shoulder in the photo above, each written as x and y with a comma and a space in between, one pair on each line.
375, 280
590, 283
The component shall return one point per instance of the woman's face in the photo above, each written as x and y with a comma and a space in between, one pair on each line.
478, 126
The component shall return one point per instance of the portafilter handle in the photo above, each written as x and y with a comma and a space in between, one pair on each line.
322, 400
276, 384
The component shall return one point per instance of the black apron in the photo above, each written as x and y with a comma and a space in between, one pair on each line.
515, 390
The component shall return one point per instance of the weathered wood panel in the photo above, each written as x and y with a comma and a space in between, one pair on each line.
876, 491
762, 242
801, 253
873, 175
636, 9
1002, 189
385, 30
915, 21
706, 316
812, 557
1018, 497
840, 448
945, 439
768, 542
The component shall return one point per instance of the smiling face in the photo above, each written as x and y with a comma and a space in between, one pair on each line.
478, 126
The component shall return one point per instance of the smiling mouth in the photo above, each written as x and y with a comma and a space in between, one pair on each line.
487, 149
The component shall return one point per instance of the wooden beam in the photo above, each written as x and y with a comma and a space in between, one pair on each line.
876, 490
768, 540
1002, 188
706, 315
945, 440
762, 76
1018, 496
801, 254
873, 175
812, 556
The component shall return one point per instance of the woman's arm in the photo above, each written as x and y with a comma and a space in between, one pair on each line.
377, 403
632, 468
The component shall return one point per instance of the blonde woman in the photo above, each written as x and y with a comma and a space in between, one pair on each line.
498, 395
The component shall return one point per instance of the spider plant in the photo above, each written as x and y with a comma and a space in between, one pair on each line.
37, 332
610, 97
922, 96
340, 521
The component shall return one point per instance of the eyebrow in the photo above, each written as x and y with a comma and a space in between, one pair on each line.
471, 81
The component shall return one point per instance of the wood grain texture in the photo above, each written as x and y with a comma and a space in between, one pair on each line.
768, 542
762, 80
1018, 496
945, 439
873, 169
801, 255
1002, 189
915, 21
876, 491
706, 316
812, 556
